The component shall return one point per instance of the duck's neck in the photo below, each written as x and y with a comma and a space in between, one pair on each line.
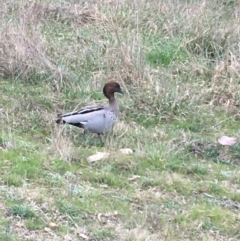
113, 103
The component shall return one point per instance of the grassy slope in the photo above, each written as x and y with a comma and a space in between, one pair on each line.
179, 66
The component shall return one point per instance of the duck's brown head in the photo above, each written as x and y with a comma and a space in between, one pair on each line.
110, 88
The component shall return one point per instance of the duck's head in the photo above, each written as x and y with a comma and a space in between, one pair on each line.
110, 88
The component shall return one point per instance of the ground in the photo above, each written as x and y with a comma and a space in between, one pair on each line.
178, 62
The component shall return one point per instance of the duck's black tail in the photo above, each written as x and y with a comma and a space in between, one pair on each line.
60, 121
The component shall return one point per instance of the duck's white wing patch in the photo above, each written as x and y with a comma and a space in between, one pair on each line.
90, 108
86, 109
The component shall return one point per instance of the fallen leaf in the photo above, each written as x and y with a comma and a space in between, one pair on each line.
133, 178
227, 141
19, 225
110, 214
46, 229
67, 237
98, 156
84, 236
126, 151
99, 217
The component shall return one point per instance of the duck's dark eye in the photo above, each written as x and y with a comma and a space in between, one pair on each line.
117, 86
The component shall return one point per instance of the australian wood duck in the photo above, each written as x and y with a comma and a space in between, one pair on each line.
96, 118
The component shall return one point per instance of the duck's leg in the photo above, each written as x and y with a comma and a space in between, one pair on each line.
84, 134
100, 138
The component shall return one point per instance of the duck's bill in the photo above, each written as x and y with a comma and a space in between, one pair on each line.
121, 91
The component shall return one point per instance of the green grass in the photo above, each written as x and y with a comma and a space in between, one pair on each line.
22, 211
164, 52
177, 62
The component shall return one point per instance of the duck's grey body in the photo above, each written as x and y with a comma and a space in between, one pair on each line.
96, 118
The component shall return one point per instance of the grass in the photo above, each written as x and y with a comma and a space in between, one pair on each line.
178, 64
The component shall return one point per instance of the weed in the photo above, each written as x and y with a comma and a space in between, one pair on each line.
22, 211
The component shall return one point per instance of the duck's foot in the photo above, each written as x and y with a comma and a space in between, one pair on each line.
84, 132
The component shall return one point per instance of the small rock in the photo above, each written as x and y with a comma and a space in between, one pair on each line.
98, 156
126, 151
52, 225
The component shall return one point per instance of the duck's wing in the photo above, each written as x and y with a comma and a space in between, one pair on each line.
83, 110
78, 118
90, 108
96, 120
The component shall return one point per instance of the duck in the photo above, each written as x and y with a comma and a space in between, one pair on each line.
96, 118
